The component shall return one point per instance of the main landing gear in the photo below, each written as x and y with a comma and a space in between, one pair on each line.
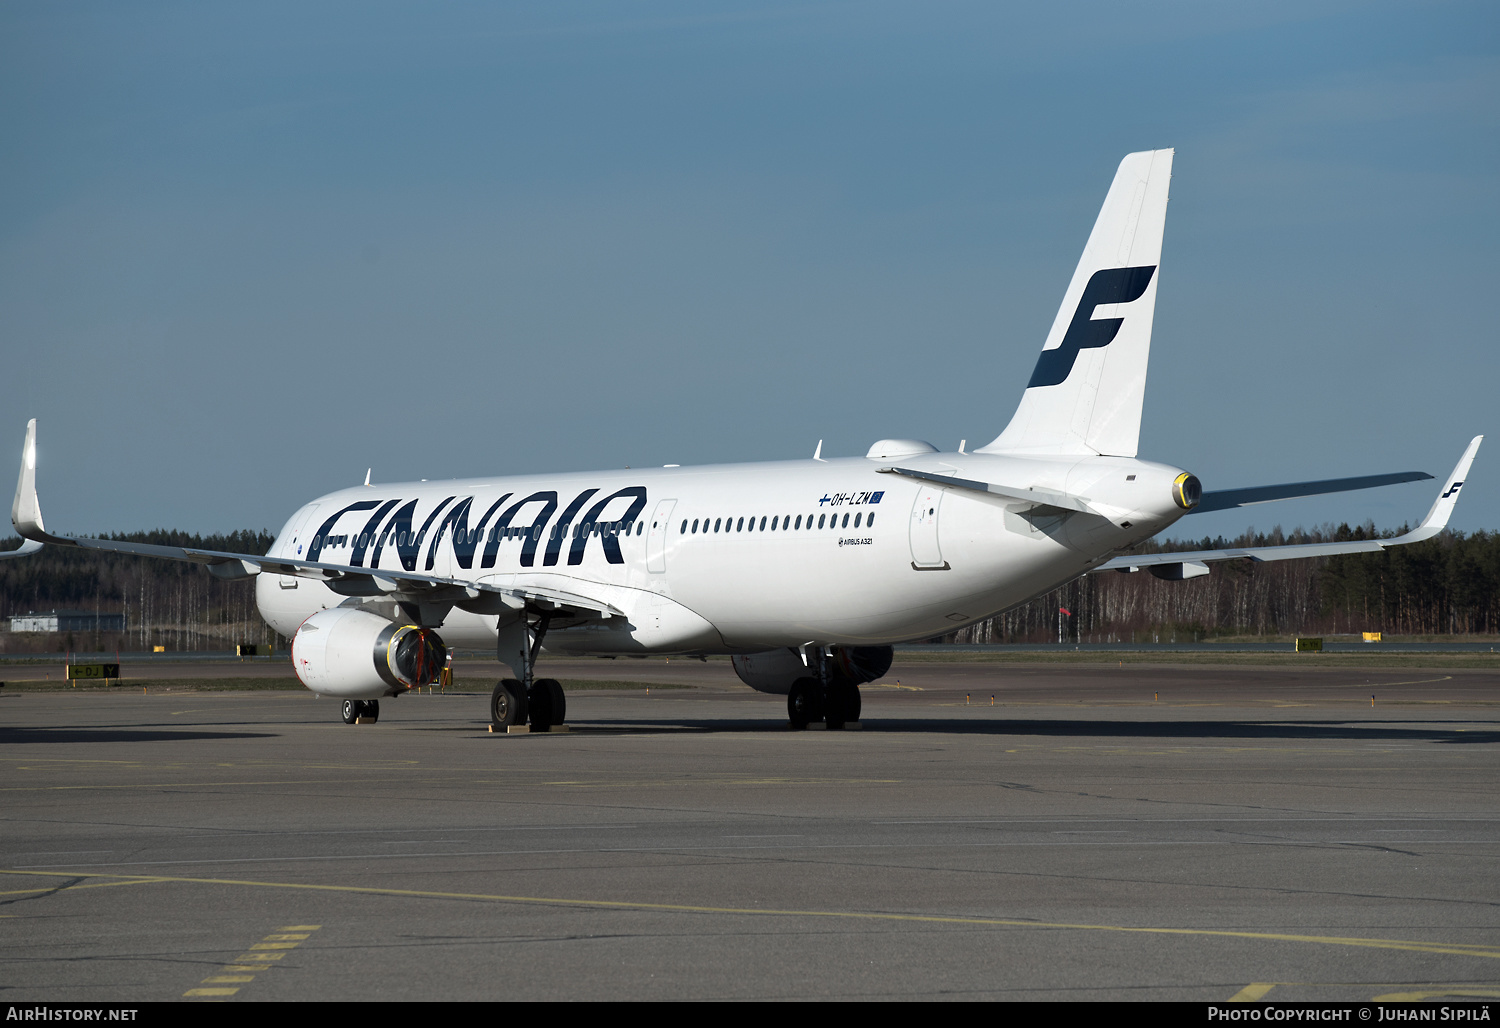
829, 697
543, 705
352, 710
537, 701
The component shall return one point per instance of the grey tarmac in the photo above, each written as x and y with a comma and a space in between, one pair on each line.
1099, 832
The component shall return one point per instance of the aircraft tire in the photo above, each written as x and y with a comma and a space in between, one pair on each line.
508, 704
349, 711
541, 704
843, 704
371, 711
559, 701
802, 707
833, 704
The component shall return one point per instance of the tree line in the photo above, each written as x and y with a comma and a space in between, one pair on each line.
1448, 585
167, 603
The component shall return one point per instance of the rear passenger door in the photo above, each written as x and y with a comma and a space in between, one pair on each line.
925, 551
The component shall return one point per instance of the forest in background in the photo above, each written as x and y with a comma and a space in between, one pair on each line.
1449, 585
166, 603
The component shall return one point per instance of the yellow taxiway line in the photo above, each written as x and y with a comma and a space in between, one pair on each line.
1490, 952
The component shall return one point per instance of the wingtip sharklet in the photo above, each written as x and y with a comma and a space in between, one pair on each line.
1442, 508
25, 509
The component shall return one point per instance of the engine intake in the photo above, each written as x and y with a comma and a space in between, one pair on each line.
353, 653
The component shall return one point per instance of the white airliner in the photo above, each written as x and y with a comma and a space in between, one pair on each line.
805, 571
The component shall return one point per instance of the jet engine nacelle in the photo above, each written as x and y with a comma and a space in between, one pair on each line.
353, 653
775, 670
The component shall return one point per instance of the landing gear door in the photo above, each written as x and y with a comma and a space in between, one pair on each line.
656, 537
925, 552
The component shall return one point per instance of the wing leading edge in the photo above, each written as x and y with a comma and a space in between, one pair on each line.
1435, 521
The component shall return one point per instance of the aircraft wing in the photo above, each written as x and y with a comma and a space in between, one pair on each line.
1435, 521
27, 547
489, 597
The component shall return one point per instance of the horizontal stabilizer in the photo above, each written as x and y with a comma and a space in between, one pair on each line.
1064, 501
1224, 499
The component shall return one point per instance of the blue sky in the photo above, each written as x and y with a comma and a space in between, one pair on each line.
249, 250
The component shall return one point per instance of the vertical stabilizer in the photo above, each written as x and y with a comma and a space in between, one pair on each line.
1086, 392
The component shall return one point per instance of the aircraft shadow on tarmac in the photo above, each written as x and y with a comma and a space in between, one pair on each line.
1343, 730
24, 736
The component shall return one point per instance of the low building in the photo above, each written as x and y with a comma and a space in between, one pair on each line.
67, 621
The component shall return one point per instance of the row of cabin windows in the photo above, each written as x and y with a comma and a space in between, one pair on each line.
785, 524
782, 523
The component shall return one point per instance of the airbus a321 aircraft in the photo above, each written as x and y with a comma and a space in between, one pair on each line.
804, 571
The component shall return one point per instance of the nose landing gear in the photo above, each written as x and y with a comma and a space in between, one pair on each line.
352, 710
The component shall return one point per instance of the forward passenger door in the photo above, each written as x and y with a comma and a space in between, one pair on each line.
656, 537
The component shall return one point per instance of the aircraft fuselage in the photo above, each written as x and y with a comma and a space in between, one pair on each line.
736, 558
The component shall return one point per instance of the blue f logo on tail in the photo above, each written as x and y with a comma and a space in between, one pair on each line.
1112, 285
